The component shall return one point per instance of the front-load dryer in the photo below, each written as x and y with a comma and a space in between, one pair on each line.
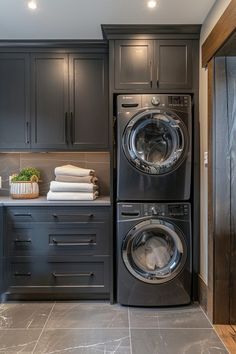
154, 147
154, 260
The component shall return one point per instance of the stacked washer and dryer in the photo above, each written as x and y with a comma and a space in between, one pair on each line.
154, 241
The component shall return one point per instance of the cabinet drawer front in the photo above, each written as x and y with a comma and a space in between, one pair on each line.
46, 239
84, 276
57, 214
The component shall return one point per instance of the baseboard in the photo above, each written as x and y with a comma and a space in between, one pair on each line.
202, 293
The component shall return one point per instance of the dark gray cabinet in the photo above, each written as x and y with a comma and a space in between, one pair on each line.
14, 101
153, 64
80, 278
58, 252
133, 64
88, 101
69, 101
173, 64
49, 101
54, 100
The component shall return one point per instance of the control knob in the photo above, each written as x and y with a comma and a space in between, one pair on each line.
154, 211
155, 101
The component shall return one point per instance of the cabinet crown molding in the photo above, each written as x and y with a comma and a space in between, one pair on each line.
53, 43
128, 31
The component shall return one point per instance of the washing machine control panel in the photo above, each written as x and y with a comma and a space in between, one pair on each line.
166, 210
128, 211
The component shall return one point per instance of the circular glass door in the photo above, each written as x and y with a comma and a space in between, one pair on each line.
154, 251
154, 142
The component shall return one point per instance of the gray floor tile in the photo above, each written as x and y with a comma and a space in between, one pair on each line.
81, 341
18, 340
24, 315
88, 315
176, 341
179, 317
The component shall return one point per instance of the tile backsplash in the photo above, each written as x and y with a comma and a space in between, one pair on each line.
11, 163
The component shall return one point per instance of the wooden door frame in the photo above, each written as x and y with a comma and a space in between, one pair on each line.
218, 37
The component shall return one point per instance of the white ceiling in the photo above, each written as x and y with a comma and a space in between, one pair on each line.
81, 19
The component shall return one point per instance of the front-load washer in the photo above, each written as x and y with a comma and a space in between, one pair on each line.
154, 260
154, 147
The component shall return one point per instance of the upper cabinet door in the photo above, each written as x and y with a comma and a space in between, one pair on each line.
133, 64
14, 101
49, 111
173, 64
88, 101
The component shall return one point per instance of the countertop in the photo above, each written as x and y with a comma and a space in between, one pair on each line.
42, 201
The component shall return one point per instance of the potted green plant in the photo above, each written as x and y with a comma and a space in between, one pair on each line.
24, 185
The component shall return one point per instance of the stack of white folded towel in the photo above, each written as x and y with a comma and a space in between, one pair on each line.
73, 183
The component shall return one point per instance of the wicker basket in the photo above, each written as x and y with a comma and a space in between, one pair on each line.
24, 190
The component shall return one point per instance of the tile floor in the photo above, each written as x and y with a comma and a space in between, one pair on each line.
98, 327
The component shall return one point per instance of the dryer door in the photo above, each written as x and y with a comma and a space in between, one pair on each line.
155, 142
154, 251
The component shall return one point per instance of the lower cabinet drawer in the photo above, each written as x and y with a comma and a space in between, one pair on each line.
83, 276
57, 215
45, 239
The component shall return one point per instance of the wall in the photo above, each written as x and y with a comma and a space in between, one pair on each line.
213, 16
11, 163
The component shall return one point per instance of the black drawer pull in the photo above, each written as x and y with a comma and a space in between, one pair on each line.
67, 243
22, 274
70, 215
22, 241
22, 214
63, 275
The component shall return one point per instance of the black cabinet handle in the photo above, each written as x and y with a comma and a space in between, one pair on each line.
22, 241
27, 136
66, 128
64, 275
22, 214
151, 74
71, 128
74, 215
17, 274
68, 243
157, 76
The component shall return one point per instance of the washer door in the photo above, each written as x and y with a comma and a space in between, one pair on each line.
154, 251
155, 142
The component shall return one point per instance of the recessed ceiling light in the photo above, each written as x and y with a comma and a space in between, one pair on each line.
32, 5
151, 4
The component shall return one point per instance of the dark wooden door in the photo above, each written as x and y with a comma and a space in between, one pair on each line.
224, 191
173, 64
14, 101
231, 105
89, 125
49, 101
133, 64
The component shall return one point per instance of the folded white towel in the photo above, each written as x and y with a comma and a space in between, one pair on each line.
85, 179
71, 196
71, 170
72, 187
